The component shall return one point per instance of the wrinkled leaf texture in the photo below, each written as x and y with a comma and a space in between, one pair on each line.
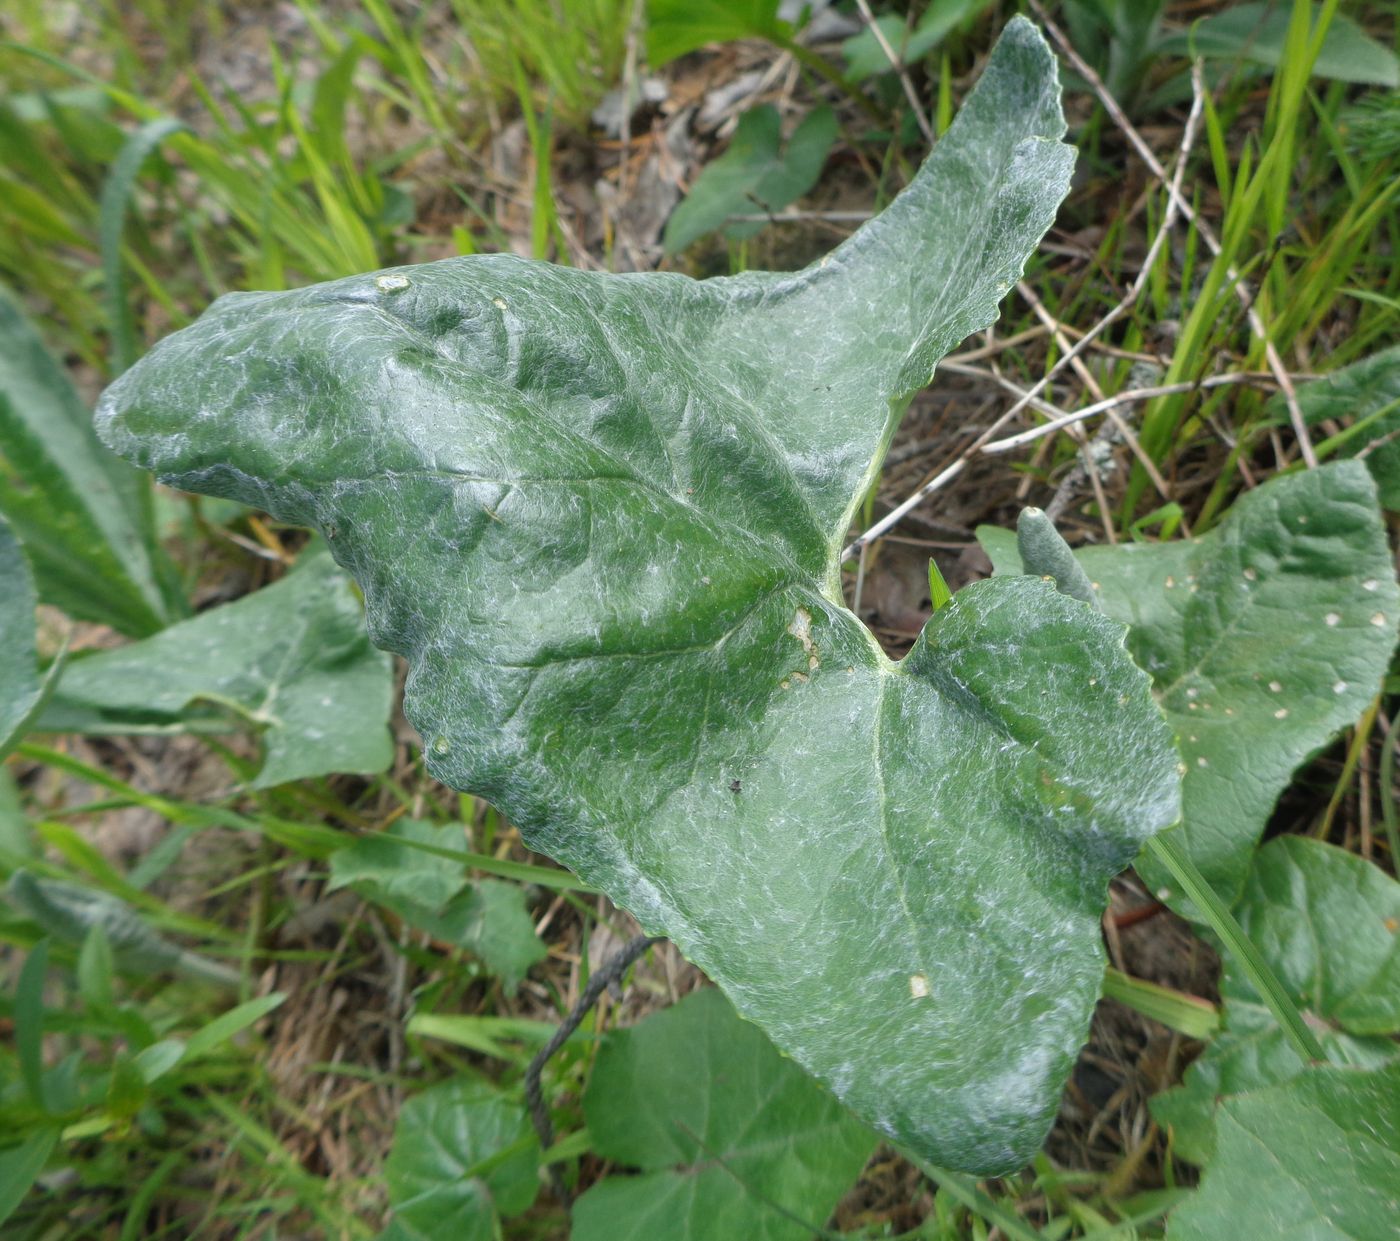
1265, 638
602, 517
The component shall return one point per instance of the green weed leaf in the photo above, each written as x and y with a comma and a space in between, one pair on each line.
463, 1156
486, 918
291, 659
1258, 33
732, 1138
675, 27
20, 1166
23, 691
82, 515
603, 517
1366, 395
1326, 922
756, 174
1317, 1157
865, 57
1264, 639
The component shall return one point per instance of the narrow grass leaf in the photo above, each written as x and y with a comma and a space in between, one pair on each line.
217, 1032
23, 692
291, 659
116, 197
20, 1167
81, 513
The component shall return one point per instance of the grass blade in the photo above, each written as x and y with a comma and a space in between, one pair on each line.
1167, 849
116, 195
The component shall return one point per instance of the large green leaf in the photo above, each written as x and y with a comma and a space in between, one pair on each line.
463, 1156
292, 659
22, 690
1264, 638
1326, 922
602, 516
733, 1139
1316, 1159
756, 174
82, 514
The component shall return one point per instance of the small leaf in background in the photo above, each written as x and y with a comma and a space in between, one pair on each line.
70, 911
488, 919
1326, 922
757, 174
291, 658
732, 1138
22, 691
1366, 392
1258, 32
675, 27
1317, 1158
82, 513
464, 1156
865, 57
1264, 638
381, 866
603, 517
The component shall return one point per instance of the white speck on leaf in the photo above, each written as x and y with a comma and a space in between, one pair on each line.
801, 629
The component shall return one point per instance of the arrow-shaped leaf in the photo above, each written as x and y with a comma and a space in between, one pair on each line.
602, 517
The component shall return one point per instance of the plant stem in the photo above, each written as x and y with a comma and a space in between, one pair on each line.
1188, 1014
1167, 849
1388, 814
603, 977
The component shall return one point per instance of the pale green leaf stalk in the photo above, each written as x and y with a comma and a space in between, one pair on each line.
602, 517
68, 912
1045, 554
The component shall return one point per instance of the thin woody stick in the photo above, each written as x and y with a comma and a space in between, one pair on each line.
1207, 234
